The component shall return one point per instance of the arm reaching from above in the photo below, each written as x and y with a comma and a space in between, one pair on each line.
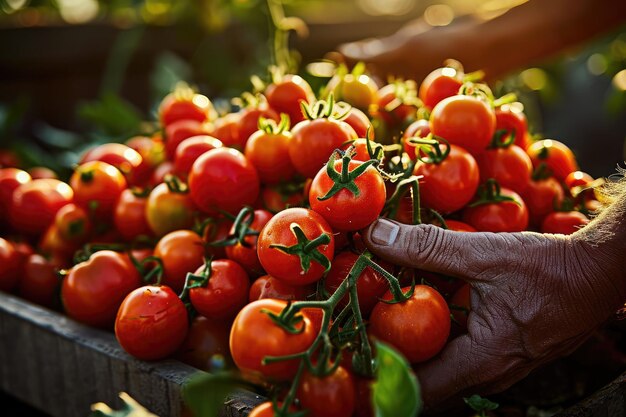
535, 297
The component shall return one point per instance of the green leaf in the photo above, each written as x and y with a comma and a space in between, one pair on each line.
131, 408
111, 114
480, 404
396, 391
205, 393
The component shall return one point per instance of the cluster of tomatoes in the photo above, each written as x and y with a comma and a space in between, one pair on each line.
234, 217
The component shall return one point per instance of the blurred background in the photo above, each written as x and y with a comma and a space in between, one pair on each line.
74, 72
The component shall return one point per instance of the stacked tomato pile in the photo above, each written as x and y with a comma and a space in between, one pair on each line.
239, 235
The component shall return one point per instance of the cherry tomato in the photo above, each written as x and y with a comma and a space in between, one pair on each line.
451, 184
559, 159
152, 151
397, 103
35, 204
73, 223
286, 94
206, 341
169, 207
180, 130
254, 327
510, 117
248, 123
127, 160
458, 226
53, 244
181, 252
246, 256
10, 179
151, 323
360, 123
439, 84
360, 149
185, 105
160, 172
461, 298
314, 141
226, 129
465, 121
215, 231
577, 179
277, 198
333, 395
370, 285
97, 186
359, 91
564, 223
270, 287
93, 290
223, 179
347, 210
10, 263
42, 173
39, 282
269, 153
510, 166
190, 149
420, 129
130, 215
280, 231
542, 197
504, 216
418, 327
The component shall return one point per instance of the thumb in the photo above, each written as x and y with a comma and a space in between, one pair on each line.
425, 246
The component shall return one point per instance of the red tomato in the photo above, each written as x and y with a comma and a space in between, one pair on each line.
276, 199
564, 223
226, 291
35, 204
10, 263
577, 179
42, 173
278, 231
465, 121
269, 153
248, 123
419, 128
160, 172
127, 160
53, 244
360, 123
360, 149
286, 94
223, 179
181, 252
314, 141
206, 341
439, 84
512, 118
180, 130
510, 167
39, 282
190, 149
461, 298
129, 216
559, 159
541, 198
254, 327
458, 226
93, 290
370, 285
185, 105
397, 103
347, 210
451, 184
152, 151
215, 231
73, 223
246, 256
10, 179
504, 216
331, 396
151, 323
226, 129
418, 327
270, 287
97, 186
169, 209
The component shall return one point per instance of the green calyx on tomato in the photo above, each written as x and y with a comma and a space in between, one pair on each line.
325, 109
489, 193
306, 249
175, 185
345, 179
393, 204
502, 139
241, 229
431, 146
270, 126
196, 281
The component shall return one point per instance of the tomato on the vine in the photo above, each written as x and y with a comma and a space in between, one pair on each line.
93, 290
417, 327
332, 395
151, 323
293, 230
253, 327
498, 216
420, 129
267, 286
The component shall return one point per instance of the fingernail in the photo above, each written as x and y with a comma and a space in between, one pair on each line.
384, 232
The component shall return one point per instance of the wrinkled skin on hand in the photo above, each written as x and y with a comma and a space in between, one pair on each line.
535, 297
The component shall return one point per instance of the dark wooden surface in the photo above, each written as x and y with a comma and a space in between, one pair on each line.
62, 367
610, 401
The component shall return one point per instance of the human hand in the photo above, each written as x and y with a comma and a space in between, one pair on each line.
534, 298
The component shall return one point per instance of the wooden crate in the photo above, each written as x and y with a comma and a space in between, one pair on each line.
62, 367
